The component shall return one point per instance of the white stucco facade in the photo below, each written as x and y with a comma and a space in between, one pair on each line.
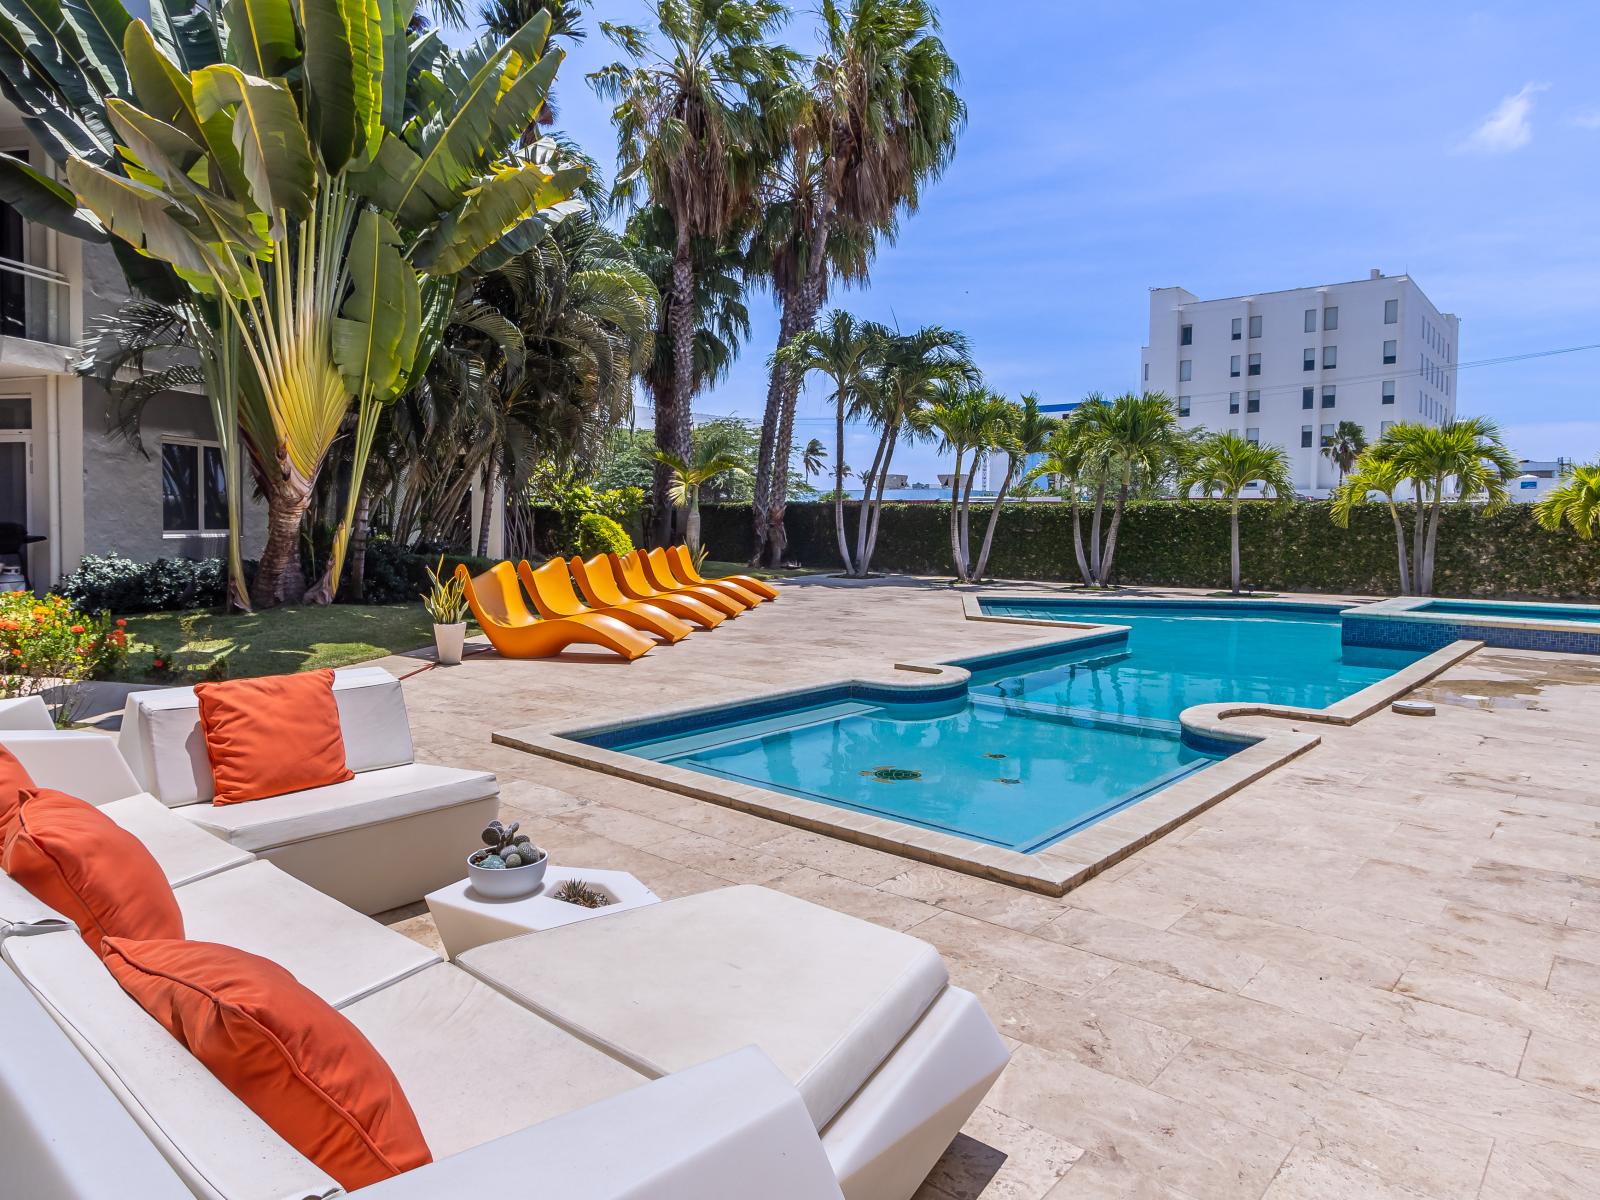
1284, 368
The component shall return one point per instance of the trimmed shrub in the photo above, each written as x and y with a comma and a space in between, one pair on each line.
112, 582
599, 534
1185, 544
399, 574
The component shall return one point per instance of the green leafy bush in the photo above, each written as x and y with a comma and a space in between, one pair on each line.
599, 534
398, 574
1185, 544
48, 645
117, 584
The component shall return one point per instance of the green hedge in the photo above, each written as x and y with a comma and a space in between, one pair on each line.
1185, 544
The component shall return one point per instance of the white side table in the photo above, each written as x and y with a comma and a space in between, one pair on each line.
466, 919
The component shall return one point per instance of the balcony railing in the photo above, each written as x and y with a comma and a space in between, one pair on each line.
35, 302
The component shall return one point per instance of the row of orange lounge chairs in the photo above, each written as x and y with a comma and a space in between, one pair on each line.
628, 602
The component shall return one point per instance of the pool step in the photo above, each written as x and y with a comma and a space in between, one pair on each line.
1084, 717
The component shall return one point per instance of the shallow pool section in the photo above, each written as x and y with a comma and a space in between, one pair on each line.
1512, 609
1415, 623
1037, 745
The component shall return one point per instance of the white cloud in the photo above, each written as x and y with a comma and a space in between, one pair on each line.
1509, 127
1588, 118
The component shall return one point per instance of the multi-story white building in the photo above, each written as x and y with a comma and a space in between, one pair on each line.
1284, 368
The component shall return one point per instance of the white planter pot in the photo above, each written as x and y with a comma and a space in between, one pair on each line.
449, 640
507, 883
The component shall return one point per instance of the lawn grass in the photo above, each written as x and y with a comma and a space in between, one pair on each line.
712, 568
278, 640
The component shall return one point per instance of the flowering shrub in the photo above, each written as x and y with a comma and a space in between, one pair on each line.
49, 646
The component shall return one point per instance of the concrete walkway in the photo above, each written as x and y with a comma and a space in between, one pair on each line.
1373, 974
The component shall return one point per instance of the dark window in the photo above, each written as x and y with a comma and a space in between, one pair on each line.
1238, 328
1252, 402
1311, 320
1308, 397
1330, 357
1233, 402
1305, 436
1388, 353
1330, 317
1255, 327
13, 287
216, 489
1327, 397
1186, 335
1233, 367
1388, 391
1255, 364
1391, 312
1308, 360
194, 496
1183, 406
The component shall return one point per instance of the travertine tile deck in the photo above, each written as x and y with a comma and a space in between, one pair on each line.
1374, 973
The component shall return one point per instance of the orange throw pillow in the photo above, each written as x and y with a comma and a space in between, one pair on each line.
294, 1061
14, 780
88, 868
272, 735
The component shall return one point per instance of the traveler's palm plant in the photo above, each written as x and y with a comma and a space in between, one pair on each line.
1225, 464
304, 182
1576, 503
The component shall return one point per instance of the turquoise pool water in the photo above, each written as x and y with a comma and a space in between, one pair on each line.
1529, 612
1036, 746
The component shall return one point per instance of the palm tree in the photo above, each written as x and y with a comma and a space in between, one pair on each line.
909, 370
689, 113
1385, 478
1072, 460
1344, 446
687, 480
1029, 432
812, 455
1429, 457
1226, 463
843, 351
965, 419
1576, 502
1134, 439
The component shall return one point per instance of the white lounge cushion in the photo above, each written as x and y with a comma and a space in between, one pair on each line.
335, 951
163, 743
79, 762
21, 913
476, 1066
181, 848
25, 712
371, 798
826, 996
219, 1146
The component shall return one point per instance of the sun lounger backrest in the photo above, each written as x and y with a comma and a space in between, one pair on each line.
162, 742
554, 586
496, 597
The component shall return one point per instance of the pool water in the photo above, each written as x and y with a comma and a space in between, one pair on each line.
1527, 612
1036, 746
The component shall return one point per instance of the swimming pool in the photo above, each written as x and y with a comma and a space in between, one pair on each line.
1515, 609
1423, 623
1035, 745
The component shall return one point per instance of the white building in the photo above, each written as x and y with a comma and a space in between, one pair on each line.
1535, 479
1284, 368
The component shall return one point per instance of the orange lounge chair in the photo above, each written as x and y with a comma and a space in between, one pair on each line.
597, 578
554, 596
683, 567
660, 571
503, 615
636, 585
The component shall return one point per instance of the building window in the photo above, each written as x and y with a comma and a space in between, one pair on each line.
1311, 320
1327, 396
194, 498
1186, 335
1233, 367
1185, 370
1389, 353
1252, 402
1183, 406
1305, 437
1255, 327
1384, 427
1391, 312
1330, 317
1255, 364
1308, 359
1252, 436
1330, 357
1238, 328
1308, 397
1327, 435
1233, 402
1388, 391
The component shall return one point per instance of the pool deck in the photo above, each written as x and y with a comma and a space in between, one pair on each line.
1374, 972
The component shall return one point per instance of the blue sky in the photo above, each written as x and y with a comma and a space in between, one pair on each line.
1113, 147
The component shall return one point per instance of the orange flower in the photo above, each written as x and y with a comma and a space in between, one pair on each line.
121, 622
77, 629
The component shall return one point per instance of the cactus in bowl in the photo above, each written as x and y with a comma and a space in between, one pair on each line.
504, 848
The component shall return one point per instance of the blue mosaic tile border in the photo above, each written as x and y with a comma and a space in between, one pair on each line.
1398, 633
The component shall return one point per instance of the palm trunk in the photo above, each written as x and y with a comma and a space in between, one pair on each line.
359, 534
1400, 548
865, 563
966, 511
771, 419
1418, 522
1433, 541
279, 577
673, 428
692, 527
1095, 546
1111, 534
1235, 534
810, 300
955, 519
838, 487
994, 519
864, 516
1077, 537
486, 513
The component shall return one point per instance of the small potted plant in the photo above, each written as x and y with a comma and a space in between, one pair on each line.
508, 864
446, 602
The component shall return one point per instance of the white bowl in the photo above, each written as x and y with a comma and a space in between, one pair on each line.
508, 883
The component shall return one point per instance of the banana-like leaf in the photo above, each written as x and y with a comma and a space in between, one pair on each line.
99, 26
186, 31
375, 334
151, 222
498, 205
395, 20
43, 78
166, 93
383, 181
41, 199
274, 150
261, 36
343, 72
58, 130
438, 302
38, 30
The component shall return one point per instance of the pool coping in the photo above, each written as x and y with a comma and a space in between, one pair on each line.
1057, 868
1410, 608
